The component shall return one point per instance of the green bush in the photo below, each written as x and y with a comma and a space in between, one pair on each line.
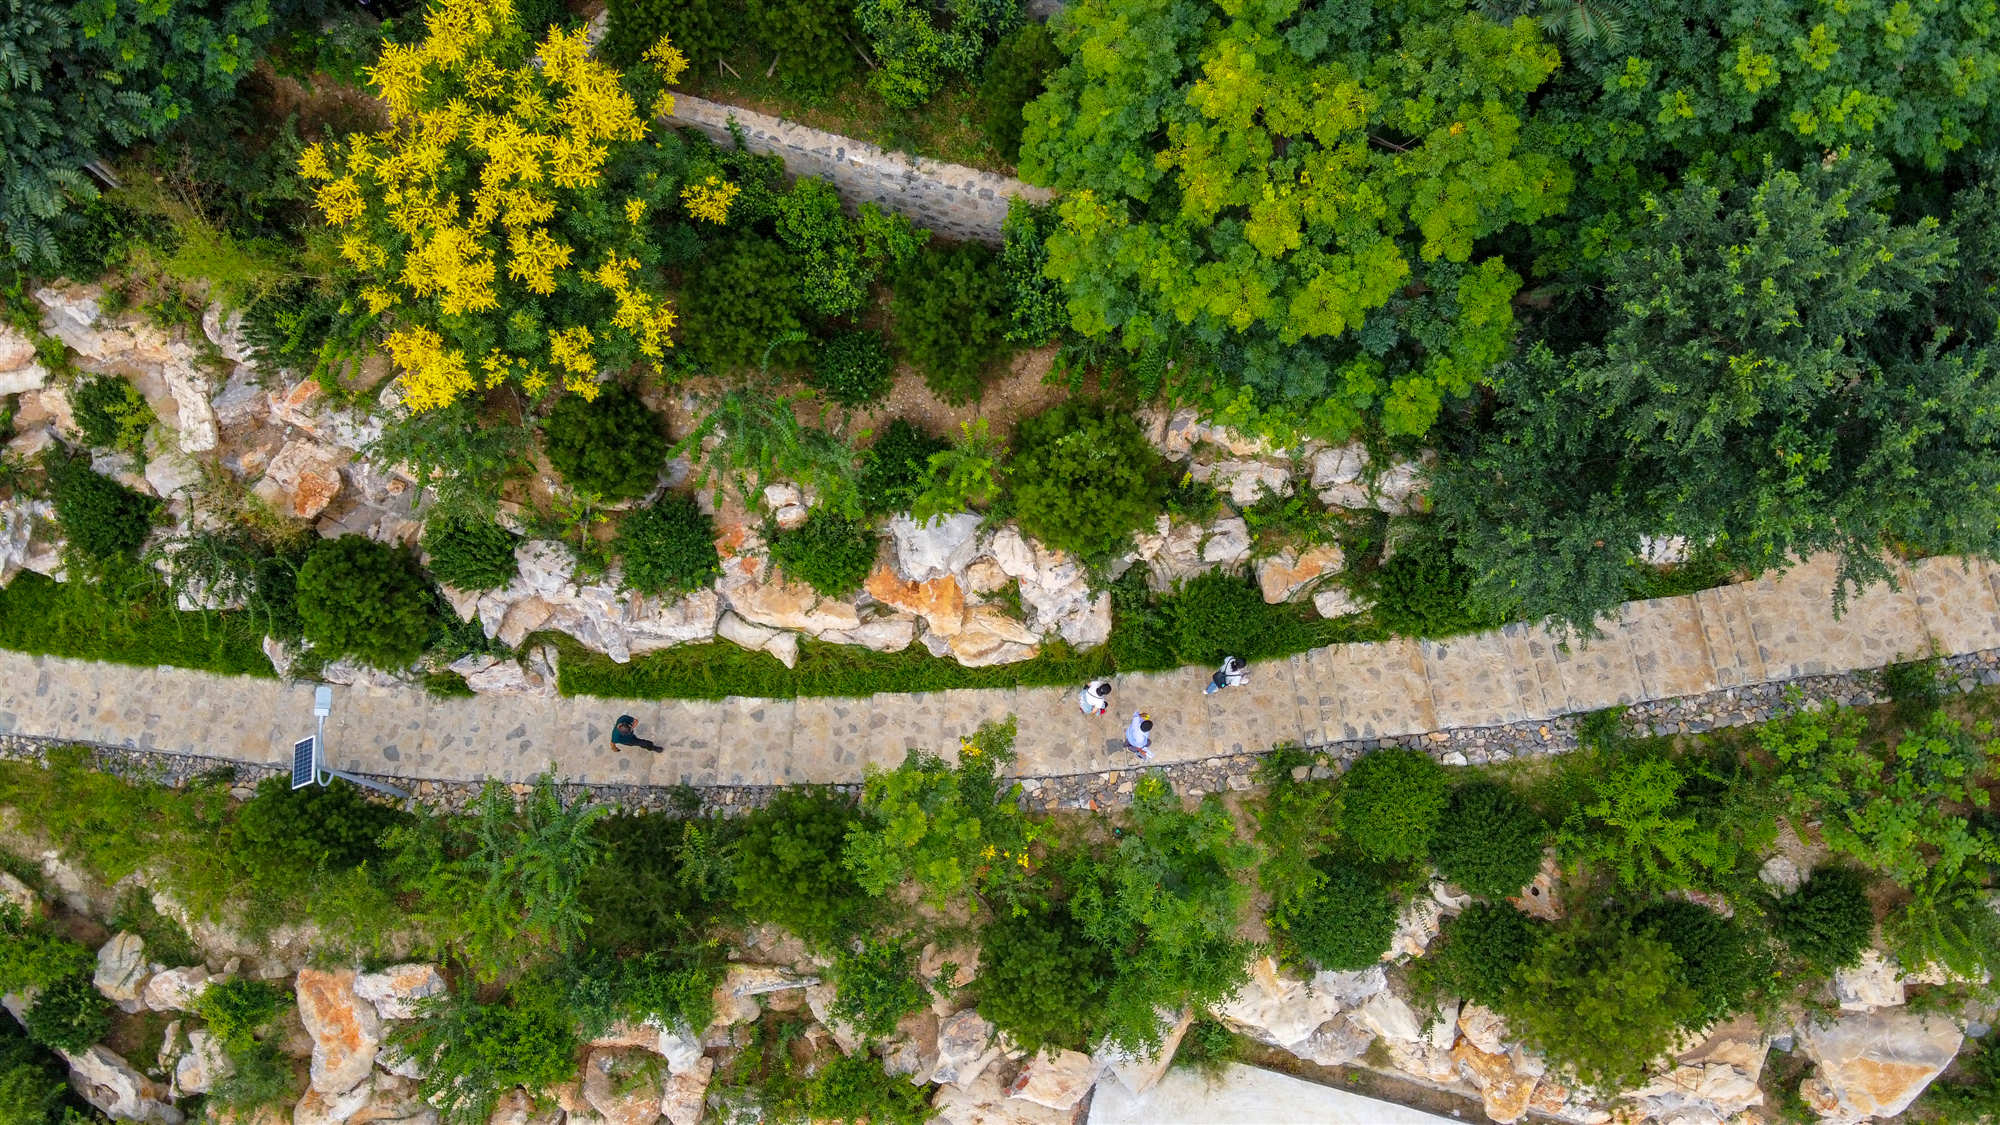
1726, 963
836, 259
668, 547
892, 470
1422, 591
788, 865
1478, 953
31, 957
828, 552
853, 368
742, 307
102, 519
1828, 922
857, 1089
916, 54
1391, 802
1035, 308
610, 445
1216, 614
810, 39
1017, 69
469, 554
1085, 478
367, 600
110, 413
1649, 823
471, 1053
1489, 842
1344, 922
1041, 981
671, 988
661, 877
703, 30
70, 1014
291, 832
237, 1010
1208, 1047
33, 1090
1601, 1001
264, 1076
951, 317
877, 985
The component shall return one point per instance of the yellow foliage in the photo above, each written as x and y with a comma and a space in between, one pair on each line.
709, 200
490, 138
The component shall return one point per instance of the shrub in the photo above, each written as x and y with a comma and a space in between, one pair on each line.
290, 832
1643, 822
672, 988
1214, 615
610, 445
853, 368
32, 1086
742, 307
810, 39
1041, 981
915, 55
236, 1010
1601, 1001
469, 554
70, 1014
668, 547
111, 413
471, 1053
962, 476
789, 869
102, 519
1723, 960
1017, 69
1489, 843
1422, 592
1828, 922
856, 1089
1478, 953
702, 30
1208, 1047
367, 600
877, 985
1391, 802
1035, 309
264, 1076
31, 957
828, 552
951, 317
945, 828
660, 878
835, 259
1084, 478
893, 469
1344, 922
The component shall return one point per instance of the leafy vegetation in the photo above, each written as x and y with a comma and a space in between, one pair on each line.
468, 554
1084, 478
367, 600
1391, 802
828, 552
609, 445
668, 547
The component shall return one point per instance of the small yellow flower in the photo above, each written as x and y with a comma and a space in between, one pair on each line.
987, 852
312, 163
635, 209
379, 299
709, 200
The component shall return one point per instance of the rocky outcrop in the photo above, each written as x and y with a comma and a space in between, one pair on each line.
964, 1049
175, 990
1874, 1064
396, 991
1056, 1079
345, 1031
624, 1088
105, 1080
1874, 982
202, 1065
545, 594
122, 970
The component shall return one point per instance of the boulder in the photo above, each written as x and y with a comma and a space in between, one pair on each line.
122, 970
1504, 1091
1244, 482
820, 998
1418, 923
107, 1082
302, 479
1539, 898
1226, 542
882, 634
303, 406
19, 895
686, 1092
241, 401
912, 1051
1874, 1064
394, 1101
337, 1108
19, 371
395, 991
1876, 982
1781, 873
985, 576
224, 329
1484, 1028
936, 549
175, 990
1663, 550
1390, 1018
939, 601
345, 1030
1337, 1042
1139, 1073
624, 1088
1283, 575
29, 538
1341, 464
780, 604
760, 638
990, 637
1057, 1079
984, 1101
194, 418
963, 1049
493, 675
1277, 1009
202, 1066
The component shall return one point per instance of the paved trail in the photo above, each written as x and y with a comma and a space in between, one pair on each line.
1768, 630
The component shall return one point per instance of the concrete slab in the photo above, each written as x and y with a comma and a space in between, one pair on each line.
1596, 673
1245, 1095
1797, 634
1537, 680
1669, 647
1383, 690
1251, 718
755, 740
1732, 642
1956, 600
1472, 682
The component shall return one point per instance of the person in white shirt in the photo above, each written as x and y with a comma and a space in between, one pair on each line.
1139, 734
1235, 673
1095, 698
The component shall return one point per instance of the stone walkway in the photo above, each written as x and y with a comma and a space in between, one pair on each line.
1773, 629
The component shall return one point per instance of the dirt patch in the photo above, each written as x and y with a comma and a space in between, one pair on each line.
1022, 390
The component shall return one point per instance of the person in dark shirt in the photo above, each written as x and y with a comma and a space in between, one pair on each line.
622, 736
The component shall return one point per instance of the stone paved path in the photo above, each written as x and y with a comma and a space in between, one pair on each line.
1769, 630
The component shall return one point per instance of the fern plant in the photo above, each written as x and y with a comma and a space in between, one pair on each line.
962, 476
748, 439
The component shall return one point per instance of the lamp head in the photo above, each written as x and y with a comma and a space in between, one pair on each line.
322, 701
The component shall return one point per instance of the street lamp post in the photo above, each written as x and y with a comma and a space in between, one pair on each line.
309, 754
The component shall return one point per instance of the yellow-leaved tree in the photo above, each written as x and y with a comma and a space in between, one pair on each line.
500, 223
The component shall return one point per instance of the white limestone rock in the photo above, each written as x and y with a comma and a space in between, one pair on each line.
945, 546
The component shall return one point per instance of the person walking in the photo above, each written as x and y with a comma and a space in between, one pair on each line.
1235, 672
622, 735
1095, 698
1139, 734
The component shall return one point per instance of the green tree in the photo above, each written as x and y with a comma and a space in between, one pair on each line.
1294, 199
1771, 379
1601, 1001
1390, 803
1084, 478
82, 80
367, 600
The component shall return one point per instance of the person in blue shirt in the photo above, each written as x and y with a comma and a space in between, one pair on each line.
622, 735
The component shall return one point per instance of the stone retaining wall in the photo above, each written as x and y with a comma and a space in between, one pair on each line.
951, 199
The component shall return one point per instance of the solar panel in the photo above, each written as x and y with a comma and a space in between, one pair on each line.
302, 763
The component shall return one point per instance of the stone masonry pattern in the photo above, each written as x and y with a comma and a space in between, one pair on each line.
1772, 630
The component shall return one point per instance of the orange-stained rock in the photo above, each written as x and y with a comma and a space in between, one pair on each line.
939, 601
1506, 1092
345, 1030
